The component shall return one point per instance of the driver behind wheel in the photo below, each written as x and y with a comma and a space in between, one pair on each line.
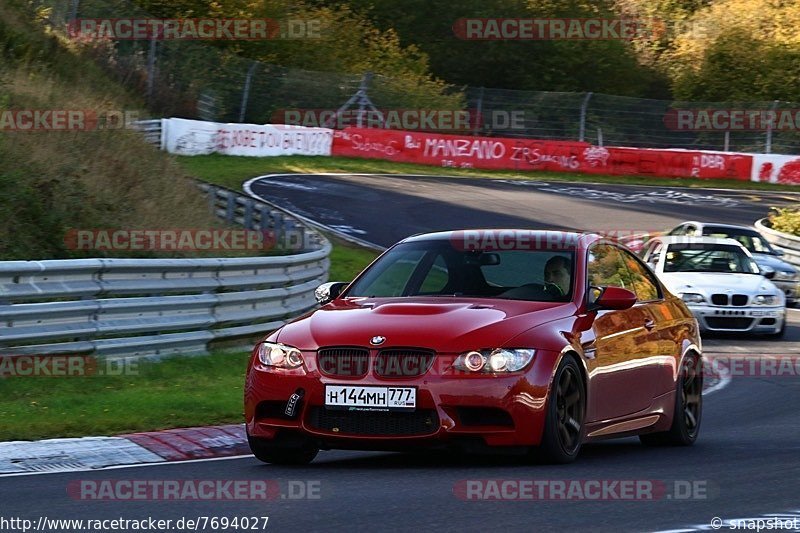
556, 272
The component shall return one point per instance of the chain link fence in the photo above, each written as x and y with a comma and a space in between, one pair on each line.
196, 79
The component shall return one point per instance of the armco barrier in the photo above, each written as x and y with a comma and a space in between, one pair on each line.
788, 243
151, 307
457, 151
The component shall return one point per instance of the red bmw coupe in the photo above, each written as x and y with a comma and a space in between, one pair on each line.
518, 340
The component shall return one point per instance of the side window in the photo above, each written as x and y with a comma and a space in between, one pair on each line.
644, 285
692, 231
680, 230
606, 267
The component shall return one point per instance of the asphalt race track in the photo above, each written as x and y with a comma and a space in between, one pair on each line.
386, 208
746, 463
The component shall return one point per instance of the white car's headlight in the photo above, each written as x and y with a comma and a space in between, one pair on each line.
765, 299
494, 361
693, 298
279, 355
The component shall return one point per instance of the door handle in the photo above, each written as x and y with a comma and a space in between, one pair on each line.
649, 324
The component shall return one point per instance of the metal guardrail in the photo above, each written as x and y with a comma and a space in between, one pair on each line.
124, 308
788, 243
151, 129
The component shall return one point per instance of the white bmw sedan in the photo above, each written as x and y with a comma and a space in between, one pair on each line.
720, 282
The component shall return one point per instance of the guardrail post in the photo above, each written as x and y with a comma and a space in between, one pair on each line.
248, 214
263, 217
211, 191
230, 210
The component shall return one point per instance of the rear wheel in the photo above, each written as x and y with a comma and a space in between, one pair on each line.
283, 453
566, 411
688, 408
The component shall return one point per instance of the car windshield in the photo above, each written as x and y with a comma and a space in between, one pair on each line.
751, 240
708, 257
437, 268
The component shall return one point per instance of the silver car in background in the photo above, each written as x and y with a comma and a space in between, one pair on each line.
720, 282
786, 276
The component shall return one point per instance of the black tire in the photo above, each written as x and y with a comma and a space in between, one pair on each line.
688, 408
566, 414
284, 453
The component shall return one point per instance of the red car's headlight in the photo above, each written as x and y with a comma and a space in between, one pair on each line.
494, 361
279, 355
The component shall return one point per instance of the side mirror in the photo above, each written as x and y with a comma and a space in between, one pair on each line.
329, 291
778, 252
615, 298
767, 272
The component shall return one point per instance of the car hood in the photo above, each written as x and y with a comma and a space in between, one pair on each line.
774, 262
447, 325
712, 282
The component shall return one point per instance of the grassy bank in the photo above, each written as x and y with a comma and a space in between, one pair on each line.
90, 177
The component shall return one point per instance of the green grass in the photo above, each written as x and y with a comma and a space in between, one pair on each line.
175, 392
233, 171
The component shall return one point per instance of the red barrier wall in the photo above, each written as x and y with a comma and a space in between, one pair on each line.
456, 151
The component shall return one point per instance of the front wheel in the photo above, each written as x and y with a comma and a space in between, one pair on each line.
566, 412
284, 453
688, 408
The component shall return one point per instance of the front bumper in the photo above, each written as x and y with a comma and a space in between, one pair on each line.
503, 411
753, 319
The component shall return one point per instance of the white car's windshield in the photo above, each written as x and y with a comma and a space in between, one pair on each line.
751, 240
707, 257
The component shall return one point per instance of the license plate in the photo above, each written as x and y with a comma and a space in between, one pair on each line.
371, 398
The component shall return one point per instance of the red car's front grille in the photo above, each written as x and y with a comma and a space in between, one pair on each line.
354, 361
419, 422
343, 361
403, 362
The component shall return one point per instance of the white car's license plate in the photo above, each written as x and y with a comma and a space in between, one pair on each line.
378, 398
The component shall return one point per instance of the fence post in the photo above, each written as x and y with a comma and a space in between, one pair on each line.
584, 107
768, 141
246, 93
151, 68
363, 99
73, 11
479, 114
727, 141
599, 137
